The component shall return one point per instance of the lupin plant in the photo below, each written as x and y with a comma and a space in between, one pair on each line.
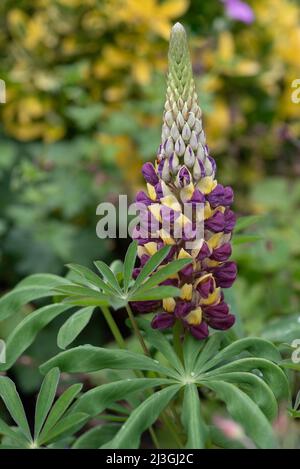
185, 174
155, 388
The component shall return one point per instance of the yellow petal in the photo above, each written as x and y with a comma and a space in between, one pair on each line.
165, 236
194, 318
207, 184
151, 247
183, 254
151, 191
213, 298
171, 202
186, 291
215, 240
155, 211
187, 192
169, 304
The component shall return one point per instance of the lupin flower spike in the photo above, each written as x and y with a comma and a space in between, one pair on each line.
184, 173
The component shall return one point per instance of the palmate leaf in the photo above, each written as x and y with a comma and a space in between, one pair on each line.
251, 345
31, 288
255, 388
109, 276
14, 405
129, 264
142, 418
164, 273
17, 438
271, 373
157, 293
57, 411
66, 426
89, 278
73, 326
87, 358
192, 419
96, 400
151, 265
96, 437
27, 330
161, 343
245, 411
45, 399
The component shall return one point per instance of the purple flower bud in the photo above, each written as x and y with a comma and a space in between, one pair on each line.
225, 274
230, 220
222, 253
215, 223
218, 316
163, 321
206, 287
149, 174
220, 196
204, 252
145, 306
182, 309
183, 177
199, 332
197, 197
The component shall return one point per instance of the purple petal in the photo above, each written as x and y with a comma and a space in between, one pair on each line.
149, 174
163, 321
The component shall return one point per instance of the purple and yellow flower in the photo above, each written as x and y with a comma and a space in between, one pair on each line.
184, 174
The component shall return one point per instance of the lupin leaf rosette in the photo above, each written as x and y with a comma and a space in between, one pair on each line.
185, 174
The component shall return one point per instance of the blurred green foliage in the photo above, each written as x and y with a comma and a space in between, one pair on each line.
85, 87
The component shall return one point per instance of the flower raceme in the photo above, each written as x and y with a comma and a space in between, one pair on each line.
184, 175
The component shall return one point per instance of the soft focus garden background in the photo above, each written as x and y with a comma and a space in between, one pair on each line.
85, 90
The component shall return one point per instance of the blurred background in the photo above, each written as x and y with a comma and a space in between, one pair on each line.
85, 84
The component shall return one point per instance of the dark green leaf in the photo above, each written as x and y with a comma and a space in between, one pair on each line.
73, 326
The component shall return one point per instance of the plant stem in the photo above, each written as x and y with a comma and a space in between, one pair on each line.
154, 437
177, 332
136, 330
122, 344
113, 327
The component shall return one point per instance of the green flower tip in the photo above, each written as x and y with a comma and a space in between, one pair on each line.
178, 48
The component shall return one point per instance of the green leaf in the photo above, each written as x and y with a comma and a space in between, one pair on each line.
129, 264
14, 404
86, 358
73, 326
159, 341
33, 287
268, 371
66, 426
27, 330
211, 347
256, 389
59, 408
285, 329
90, 278
109, 276
157, 293
96, 437
259, 348
78, 290
192, 419
151, 265
290, 365
142, 418
96, 400
191, 350
45, 399
164, 273
245, 412
84, 301
244, 222
13, 434
244, 238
